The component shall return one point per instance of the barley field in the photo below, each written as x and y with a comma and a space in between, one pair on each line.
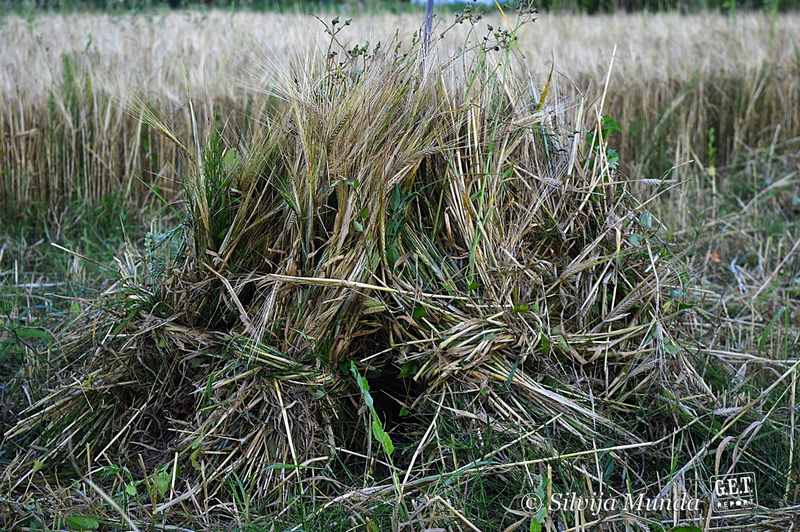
673, 80
276, 271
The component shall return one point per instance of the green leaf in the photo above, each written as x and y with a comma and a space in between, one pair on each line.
318, 393
541, 514
563, 344
419, 312
536, 526
378, 431
612, 157
363, 385
671, 348
32, 333
521, 308
380, 434
162, 483
610, 126
686, 529
230, 160
109, 471
209, 390
282, 467
646, 220
677, 293
130, 489
82, 522
408, 369
544, 344
194, 458
392, 255
546, 88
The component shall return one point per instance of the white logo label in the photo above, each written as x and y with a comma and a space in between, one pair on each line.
733, 493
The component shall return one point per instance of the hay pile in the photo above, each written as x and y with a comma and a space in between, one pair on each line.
434, 233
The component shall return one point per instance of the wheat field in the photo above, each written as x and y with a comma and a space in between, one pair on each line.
217, 54
69, 83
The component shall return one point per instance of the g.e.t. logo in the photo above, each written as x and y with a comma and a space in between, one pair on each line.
734, 493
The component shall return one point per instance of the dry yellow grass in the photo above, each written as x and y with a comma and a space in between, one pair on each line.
215, 53
678, 84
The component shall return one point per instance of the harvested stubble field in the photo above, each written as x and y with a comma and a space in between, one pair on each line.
245, 286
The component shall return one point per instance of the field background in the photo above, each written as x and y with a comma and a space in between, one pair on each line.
708, 107
679, 84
